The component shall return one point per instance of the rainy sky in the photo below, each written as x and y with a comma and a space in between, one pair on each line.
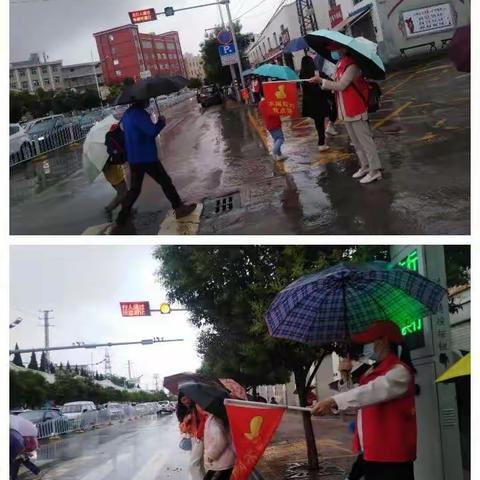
83, 285
63, 28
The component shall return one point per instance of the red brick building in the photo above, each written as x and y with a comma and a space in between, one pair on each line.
124, 52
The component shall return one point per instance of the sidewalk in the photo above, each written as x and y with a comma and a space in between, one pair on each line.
286, 457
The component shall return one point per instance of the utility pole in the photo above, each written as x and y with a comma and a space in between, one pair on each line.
108, 364
46, 326
235, 43
155, 379
129, 369
96, 79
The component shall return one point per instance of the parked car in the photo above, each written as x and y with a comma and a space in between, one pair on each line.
209, 95
164, 406
73, 410
115, 410
20, 141
45, 130
40, 416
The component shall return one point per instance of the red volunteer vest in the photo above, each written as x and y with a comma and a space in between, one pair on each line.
352, 102
389, 428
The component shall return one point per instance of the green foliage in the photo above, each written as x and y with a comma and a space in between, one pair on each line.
214, 71
33, 365
115, 91
17, 358
457, 260
42, 103
44, 367
194, 83
31, 389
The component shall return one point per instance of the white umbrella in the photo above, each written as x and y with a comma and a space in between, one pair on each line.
23, 426
94, 150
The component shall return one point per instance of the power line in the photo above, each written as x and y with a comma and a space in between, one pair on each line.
248, 11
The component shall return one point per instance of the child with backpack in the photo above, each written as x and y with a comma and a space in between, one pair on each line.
273, 124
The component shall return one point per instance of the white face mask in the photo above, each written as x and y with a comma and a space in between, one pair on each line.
369, 352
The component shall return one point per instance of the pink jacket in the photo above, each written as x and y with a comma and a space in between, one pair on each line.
218, 452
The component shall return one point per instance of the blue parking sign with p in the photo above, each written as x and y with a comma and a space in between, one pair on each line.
226, 49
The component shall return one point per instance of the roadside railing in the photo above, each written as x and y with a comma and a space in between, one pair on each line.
92, 419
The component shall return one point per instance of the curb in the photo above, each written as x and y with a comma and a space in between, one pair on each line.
256, 126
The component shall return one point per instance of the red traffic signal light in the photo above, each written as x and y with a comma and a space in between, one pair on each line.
140, 16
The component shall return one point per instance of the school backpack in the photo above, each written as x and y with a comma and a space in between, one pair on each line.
374, 99
115, 143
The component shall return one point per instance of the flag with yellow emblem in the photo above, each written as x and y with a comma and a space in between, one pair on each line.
281, 97
252, 428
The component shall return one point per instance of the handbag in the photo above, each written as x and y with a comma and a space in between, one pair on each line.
185, 444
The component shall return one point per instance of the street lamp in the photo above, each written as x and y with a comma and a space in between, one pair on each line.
16, 322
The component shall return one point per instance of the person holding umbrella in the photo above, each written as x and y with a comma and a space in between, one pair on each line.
355, 58
386, 431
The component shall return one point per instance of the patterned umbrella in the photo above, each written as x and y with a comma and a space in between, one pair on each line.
235, 389
344, 300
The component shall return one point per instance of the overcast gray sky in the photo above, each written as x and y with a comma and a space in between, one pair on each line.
83, 285
63, 28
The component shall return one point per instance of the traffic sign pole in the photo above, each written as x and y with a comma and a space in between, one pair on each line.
235, 43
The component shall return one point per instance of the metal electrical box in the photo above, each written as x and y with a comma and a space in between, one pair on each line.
438, 452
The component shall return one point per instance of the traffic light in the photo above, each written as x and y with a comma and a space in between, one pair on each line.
165, 308
169, 11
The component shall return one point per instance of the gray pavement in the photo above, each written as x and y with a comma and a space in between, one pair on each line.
144, 449
422, 132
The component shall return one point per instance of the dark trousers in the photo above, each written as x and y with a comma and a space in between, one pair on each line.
388, 471
156, 171
320, 126
220, 475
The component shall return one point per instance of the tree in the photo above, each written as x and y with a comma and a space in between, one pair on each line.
43, 362
17, 358
457, 262
214, 71
68, 367
53, 370
76, 370
194, 83
227, 291
33, 365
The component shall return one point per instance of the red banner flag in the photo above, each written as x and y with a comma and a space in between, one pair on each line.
281, 97
252, 429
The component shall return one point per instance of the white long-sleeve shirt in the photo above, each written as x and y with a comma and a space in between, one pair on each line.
394, 384
218, 451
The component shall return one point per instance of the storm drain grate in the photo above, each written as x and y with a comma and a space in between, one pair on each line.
213, 207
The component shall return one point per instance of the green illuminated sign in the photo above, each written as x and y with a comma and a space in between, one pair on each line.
410, 262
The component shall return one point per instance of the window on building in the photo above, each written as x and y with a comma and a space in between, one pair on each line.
110, 37
57, 79
118, 73
164, 55
269, 43
33, 71
46, 81
115, 61
159, 55
54, 68
275, 39
35, 83
22, 73
44, 70
170, 46
25, 85
160, 45
146, 44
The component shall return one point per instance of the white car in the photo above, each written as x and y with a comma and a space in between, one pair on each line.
20, 141
73, 410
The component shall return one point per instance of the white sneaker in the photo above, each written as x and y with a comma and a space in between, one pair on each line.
323, 148
371, 177
360, 173
331, 129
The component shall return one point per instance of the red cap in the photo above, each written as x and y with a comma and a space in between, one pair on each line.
380, 329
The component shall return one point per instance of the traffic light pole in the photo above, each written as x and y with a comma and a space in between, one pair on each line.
148, 341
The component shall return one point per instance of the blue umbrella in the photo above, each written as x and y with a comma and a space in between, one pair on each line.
296, 45
344, 300
276, 71
362, 50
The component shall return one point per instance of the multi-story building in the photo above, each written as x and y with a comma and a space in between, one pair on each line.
81, 76
32, 74
194, 66
125, 52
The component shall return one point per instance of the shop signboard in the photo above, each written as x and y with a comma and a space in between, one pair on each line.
336, 15
423, 21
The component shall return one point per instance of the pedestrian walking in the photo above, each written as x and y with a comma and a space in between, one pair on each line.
192, 424
386, 430
351, 92
219, 456
256, 87
317, 104
142, 156
273, 401
115, 176
273, 124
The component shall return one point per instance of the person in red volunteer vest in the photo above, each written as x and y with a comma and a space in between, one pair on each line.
351, 92
386, 430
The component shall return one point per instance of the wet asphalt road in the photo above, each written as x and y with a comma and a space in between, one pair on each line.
422, 132
145, 449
